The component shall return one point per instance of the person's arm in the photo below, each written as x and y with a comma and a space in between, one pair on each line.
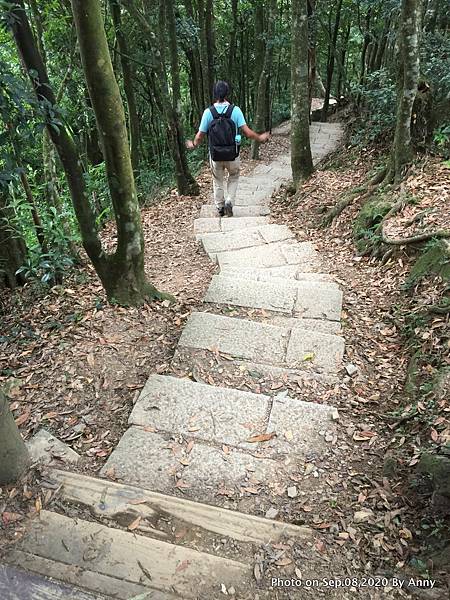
197, 140
259, 137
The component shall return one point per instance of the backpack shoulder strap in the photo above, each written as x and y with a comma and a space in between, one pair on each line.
214, 112
229, 111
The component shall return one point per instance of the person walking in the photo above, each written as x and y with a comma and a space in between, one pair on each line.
222, 123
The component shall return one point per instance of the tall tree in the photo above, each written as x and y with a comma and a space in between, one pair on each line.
186, 184
206, 25
331, 59
407, 81
124, 276
122, 273
301, 159
128, 83
263, 96
12, 246
233, 41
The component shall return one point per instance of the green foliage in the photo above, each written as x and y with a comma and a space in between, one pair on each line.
48, 268
435, 52
441, 138
378, 97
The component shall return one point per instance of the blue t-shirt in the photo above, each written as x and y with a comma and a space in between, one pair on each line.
236, 116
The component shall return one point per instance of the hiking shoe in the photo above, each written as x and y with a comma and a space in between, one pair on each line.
221, 211
228, 209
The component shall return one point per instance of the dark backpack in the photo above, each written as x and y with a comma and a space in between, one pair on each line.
222, 135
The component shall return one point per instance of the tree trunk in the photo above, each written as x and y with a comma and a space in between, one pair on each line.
125, 279
233, 41
330, 65
341, 70
64, 143
48, 152
13, 251
14, 457
260, 50
320, 88
128, 84
196, 82
312, 58
210, 43
408, 76
301, 159
206, 77
185, 182
262, 109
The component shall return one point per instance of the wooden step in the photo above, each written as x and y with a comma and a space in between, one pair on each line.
138, 541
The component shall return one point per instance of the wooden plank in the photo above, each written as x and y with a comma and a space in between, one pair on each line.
118, 501
131, 558
95, 582
16, 584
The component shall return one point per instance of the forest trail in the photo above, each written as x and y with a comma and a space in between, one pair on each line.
210, 440
220, 429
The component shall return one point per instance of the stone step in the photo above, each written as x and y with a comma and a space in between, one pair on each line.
219, 416
216, 224
307, 299
200, 411
258, 210
276, 254
289, 272
291, 348
215, 243
169, 464
252, 198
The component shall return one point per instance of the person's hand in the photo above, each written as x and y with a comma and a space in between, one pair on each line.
264, 137
190, 145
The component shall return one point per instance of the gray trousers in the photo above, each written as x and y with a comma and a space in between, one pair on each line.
219, 168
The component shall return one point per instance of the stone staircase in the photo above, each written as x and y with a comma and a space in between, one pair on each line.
221, 432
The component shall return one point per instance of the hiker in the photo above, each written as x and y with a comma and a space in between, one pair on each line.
222, 122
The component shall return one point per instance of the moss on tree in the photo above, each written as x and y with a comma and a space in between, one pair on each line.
435, 259
368, 221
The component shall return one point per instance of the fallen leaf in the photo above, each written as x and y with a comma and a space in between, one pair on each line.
183, 565
363, 436
283, 562
23, 418
289, 435
263, 437
134, 524
10, 517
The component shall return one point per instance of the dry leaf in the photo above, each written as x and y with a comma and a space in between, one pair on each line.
134, 524
289, 435
263, 437
283, 562
23, 418
183, 565
363, 436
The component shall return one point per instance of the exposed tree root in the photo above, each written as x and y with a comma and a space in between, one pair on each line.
421, 237
439, 309
336, 210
